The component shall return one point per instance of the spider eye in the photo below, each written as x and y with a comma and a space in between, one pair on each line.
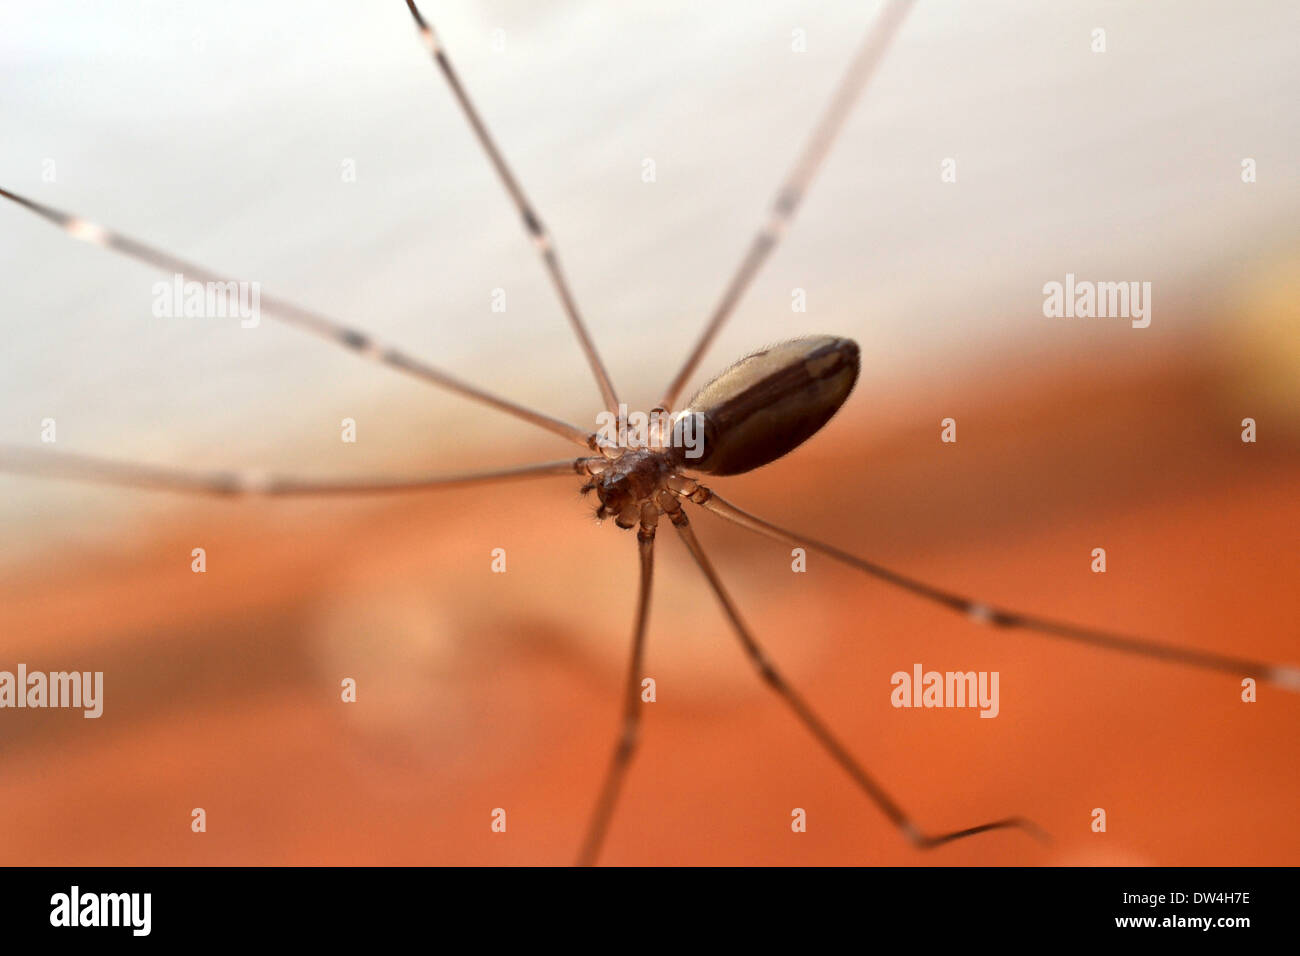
615, 483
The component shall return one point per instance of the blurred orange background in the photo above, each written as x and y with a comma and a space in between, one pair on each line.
481, 690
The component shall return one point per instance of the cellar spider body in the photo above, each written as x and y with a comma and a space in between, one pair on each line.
751, 414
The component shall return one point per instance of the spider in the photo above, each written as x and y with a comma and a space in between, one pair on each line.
751, 414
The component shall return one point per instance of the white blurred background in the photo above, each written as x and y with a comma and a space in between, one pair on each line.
218, 132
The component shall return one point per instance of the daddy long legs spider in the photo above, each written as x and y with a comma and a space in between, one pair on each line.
668, 496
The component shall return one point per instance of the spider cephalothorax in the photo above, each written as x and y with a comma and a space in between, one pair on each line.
625, 483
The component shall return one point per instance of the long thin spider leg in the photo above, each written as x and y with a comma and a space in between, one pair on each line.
628, 736
532, 222
1286, 677
17, 459
767, 670
796, 184
297, 316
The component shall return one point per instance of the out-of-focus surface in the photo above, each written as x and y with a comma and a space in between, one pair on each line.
480, 690
221, 138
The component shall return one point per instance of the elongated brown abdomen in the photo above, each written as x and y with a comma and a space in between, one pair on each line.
771, 402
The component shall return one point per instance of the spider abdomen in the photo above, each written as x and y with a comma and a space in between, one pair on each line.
770, 402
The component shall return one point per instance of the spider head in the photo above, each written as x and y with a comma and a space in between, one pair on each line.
615, 495
631, 481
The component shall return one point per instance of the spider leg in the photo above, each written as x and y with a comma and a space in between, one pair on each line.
1284, 676
295, 315
796, 184
17, 459
625, 748
532, 222
774, 679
